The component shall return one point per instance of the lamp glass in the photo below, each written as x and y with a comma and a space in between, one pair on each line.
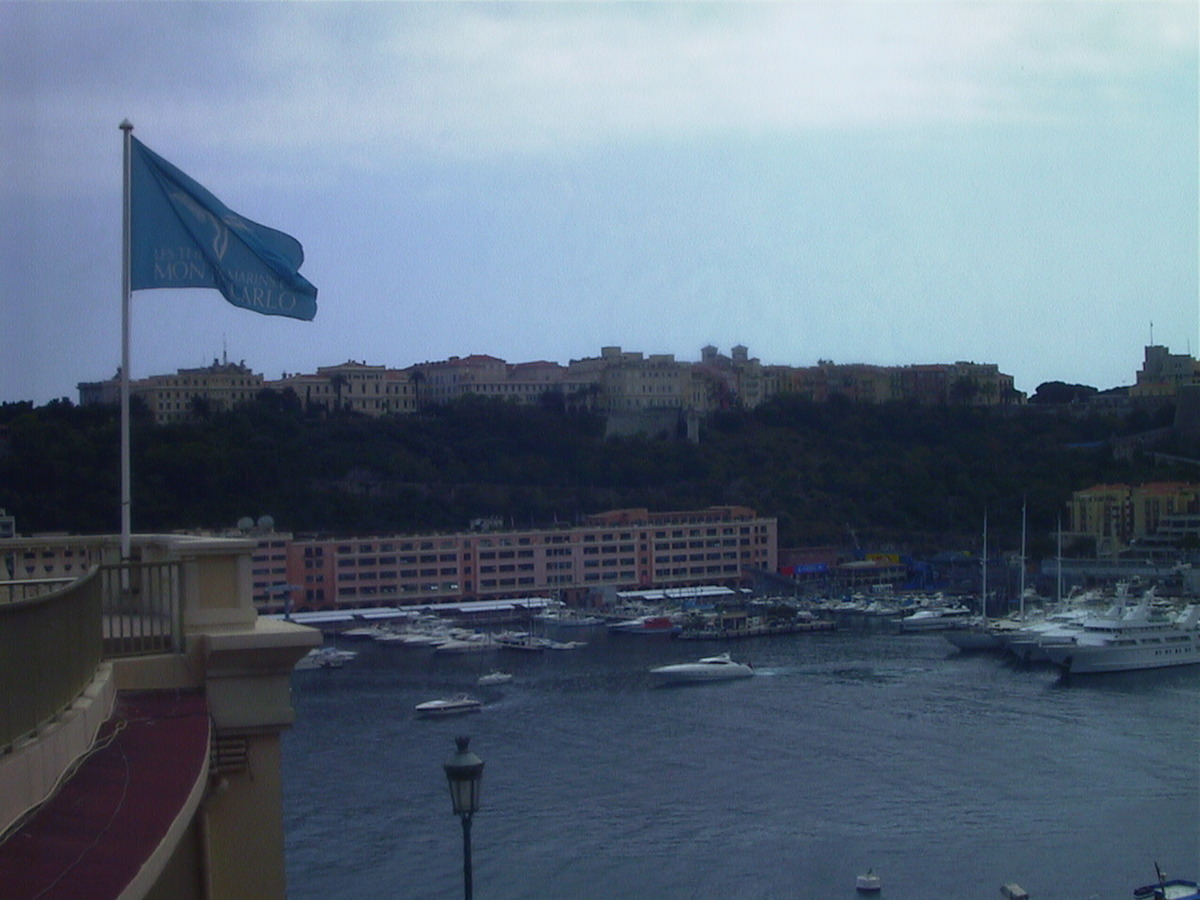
464, 772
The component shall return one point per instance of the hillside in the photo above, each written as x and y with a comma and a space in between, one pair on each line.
898, 476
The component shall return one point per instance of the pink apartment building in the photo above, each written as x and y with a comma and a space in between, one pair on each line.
618, 550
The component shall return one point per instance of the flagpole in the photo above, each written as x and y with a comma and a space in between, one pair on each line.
126, 527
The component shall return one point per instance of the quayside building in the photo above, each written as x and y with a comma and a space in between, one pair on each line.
141, 708
628, 549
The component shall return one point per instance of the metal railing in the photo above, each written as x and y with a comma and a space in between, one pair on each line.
28, 588
50, 646
141, 609
54, 632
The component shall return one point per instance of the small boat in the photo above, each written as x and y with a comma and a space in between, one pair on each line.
646, 625
710, 668
496, 677
522, 640
868, 883
363, 632
324, 658
474, 643
449, 706
567, 618
1168, 888
935, 618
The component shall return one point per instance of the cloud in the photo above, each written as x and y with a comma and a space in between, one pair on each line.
493, 80
365, 81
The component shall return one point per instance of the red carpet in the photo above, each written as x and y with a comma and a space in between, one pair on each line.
91, 837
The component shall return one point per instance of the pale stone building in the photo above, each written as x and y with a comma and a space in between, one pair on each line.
370, 390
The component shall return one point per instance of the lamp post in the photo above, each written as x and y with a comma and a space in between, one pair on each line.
464, 772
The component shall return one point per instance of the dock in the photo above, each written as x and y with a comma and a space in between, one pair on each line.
718, 633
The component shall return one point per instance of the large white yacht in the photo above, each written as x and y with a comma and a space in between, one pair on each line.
1140, 639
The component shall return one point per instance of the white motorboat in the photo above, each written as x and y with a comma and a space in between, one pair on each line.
646, 625
324, 658
493, 678
1168, 888
472, 643
522, 640
568, 618
415, 636
935, 618
363, 632
710, 668
1173, 889
449, 706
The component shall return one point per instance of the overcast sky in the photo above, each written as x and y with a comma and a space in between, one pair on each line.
877, 182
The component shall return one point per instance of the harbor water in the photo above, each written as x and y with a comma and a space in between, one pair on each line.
947, 774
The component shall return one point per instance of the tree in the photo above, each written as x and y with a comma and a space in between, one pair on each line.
338, 380
1060, 392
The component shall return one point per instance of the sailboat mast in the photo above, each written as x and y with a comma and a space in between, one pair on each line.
1022, 580
1059, 566
983, 579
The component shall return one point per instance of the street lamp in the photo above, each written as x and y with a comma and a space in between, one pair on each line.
464, 772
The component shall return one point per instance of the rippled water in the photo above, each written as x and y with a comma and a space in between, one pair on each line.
947, 774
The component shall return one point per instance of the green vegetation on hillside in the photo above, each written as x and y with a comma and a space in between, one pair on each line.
891, 476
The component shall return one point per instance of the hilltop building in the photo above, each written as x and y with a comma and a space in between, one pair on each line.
629, 387
186, 395
1163, 374
370, 390
484, 376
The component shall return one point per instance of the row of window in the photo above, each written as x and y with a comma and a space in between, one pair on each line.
394, 590
347, 560
391, 576
347, 550
424, 558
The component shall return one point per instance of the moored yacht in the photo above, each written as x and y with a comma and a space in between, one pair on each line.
1059, 627
646, 625
324, 658
935, 618
1136, 640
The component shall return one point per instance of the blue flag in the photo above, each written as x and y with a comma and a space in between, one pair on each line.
183, 236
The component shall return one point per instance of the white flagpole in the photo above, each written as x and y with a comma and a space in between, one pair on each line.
126, 262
